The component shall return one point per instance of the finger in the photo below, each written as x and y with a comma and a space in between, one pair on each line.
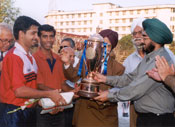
164, 61
172, 67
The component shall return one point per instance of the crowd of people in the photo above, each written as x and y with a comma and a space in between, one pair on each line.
139, 93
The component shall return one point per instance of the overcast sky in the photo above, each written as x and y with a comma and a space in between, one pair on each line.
37, 9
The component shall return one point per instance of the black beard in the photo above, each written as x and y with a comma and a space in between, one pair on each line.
150, 48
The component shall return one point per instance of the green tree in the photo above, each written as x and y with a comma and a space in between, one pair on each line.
172, 47
8, 12
124, 48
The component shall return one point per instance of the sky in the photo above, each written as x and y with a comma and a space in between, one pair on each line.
38, 9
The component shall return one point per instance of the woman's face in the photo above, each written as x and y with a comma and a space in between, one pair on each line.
109, 46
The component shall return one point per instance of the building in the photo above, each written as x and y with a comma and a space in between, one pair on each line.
108, 15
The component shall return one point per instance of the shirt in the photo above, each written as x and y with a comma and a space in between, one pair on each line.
149, 95
17, 71
132, 61
52, 78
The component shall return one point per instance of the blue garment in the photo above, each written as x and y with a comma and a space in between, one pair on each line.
51, 64
21, 118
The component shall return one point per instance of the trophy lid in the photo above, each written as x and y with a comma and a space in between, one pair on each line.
96, 38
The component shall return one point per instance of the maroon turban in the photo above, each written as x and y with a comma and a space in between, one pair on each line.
111, 35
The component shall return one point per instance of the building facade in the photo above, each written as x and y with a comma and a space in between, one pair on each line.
108, 16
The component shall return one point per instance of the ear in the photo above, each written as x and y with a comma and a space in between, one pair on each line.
21, 34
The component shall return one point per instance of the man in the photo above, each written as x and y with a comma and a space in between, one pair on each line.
50, 74
153, 101
163, 72
6, 40
127, 115
18, 78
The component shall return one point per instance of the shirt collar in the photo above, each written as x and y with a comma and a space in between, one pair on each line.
19, 47
41, 54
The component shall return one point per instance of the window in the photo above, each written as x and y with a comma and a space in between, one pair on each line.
124, 12
85, 22
101, 14
138, 12
131, 12
146, 11
116, 21
101, 21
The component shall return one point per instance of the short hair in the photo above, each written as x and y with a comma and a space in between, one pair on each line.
23, 23
70, 40
5, 26
46, 27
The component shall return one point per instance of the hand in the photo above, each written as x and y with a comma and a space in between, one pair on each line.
67, 55
99, 77
56, 110
154, 74
1, 66
55, 96
75, 90
102, 96
163, 67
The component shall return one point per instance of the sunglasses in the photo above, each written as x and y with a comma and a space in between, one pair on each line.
61, 47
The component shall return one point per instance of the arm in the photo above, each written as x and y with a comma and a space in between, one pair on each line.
43, 87
170, 81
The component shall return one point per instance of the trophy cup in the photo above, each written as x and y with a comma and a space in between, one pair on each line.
93, 58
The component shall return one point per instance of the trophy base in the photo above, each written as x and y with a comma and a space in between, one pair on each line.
87, 94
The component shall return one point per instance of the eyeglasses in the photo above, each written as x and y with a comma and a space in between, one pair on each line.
135, 33
6, 41
61, 47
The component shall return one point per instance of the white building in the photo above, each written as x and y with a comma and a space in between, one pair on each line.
108, 16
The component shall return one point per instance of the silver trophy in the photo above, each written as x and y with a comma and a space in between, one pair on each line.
94, 58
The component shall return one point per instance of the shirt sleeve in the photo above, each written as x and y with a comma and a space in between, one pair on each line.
15, 67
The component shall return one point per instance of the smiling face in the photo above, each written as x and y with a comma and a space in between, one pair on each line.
47, 39
6, 39
29, 38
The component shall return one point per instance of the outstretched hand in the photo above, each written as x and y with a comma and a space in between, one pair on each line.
99, 77
102, 96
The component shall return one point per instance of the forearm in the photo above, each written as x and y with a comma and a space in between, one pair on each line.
118, 81
170, 81
43, 87
27, 92
65, 87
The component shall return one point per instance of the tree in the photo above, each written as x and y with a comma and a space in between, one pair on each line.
8, 12
124, 48
172, 47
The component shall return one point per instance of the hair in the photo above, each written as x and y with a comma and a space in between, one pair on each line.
5, 26
47, 28
70, 40
23, 23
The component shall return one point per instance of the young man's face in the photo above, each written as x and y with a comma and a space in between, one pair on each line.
47, 39
30, 37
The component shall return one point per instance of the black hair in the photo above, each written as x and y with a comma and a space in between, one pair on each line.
23, 23
70, 40
47, 28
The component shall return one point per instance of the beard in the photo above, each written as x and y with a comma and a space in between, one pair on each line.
149, 49
137, 43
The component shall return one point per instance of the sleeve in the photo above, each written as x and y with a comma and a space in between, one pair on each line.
40, 77
16, 75
170, 81
135, 90
126, 64
121, 81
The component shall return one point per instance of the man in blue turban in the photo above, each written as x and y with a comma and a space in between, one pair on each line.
153, 101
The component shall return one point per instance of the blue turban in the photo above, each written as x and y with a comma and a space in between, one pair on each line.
157, 31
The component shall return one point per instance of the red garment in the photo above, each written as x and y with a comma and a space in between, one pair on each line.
17, 71
52, 79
